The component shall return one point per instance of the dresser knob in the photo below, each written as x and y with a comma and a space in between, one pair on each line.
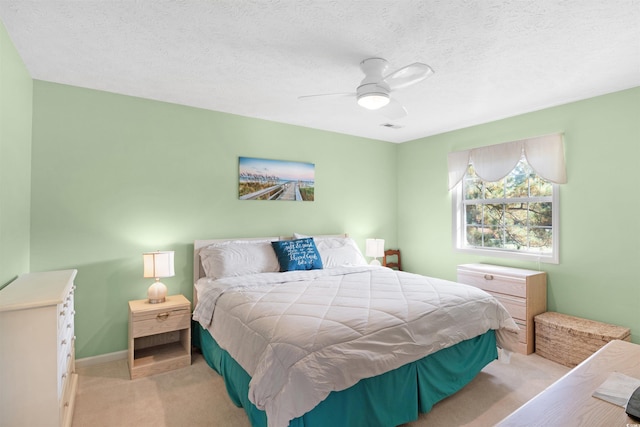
488, 277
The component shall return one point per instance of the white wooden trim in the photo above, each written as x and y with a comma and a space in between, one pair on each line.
101, 358
458, 223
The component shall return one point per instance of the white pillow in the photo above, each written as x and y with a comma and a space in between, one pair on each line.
238, 258
337, 251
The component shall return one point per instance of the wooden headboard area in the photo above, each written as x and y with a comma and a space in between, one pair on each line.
198, 271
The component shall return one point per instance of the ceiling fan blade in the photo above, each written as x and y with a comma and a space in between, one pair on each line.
335, 95
406, 76
393, 110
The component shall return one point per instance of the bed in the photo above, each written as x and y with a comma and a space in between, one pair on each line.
306, 333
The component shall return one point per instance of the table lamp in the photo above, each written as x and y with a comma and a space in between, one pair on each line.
375, 249
158, 264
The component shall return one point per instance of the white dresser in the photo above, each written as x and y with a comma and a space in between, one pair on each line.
37, 355
522, 292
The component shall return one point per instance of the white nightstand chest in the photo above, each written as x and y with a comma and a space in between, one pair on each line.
159, 336
37, 350
522, 292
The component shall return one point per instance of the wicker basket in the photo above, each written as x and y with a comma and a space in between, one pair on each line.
569, 340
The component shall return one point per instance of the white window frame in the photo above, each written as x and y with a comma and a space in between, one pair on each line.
458, 230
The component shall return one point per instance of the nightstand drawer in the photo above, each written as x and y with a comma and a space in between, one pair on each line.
494, 282
160, 321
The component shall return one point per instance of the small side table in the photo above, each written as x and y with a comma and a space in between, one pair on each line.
159, 336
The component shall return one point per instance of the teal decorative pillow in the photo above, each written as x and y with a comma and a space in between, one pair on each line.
299, 254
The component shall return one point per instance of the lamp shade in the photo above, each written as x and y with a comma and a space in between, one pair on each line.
158, 264
375, 247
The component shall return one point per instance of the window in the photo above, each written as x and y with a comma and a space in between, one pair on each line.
505, 199
515, 217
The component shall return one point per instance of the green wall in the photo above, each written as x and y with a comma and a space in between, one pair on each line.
16, 90
116, 176
90, 180
599, 206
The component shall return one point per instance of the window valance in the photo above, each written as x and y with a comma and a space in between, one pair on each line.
545, 154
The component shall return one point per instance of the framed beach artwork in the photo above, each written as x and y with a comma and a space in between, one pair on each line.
266, 179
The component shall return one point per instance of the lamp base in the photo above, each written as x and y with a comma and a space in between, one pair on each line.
157, 293
374, 262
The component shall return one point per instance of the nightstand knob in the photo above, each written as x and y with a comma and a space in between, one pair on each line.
162, 316
488, 277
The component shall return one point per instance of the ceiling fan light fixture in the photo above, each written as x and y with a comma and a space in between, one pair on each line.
373, 100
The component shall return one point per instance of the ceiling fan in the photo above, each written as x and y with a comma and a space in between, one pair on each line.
374, 91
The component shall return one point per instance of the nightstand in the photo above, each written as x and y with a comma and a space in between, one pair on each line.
159, 336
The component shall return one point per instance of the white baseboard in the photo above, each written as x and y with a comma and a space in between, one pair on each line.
102, 358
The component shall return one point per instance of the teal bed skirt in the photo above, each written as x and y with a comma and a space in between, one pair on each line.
387, 400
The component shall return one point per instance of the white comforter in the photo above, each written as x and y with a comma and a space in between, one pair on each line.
301, 335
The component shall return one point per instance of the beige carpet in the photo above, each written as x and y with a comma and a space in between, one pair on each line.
196, 396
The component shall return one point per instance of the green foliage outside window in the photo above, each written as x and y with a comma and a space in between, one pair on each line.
512, 214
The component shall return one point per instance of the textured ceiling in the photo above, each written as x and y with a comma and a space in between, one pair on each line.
492, 59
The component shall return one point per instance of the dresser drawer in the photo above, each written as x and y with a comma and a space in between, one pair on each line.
66, 310
517, 307
156, 322
65, 355
492, 282
522, 292
522, 333
65, 369
66, 403
65, 345
36, 348
63, 314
